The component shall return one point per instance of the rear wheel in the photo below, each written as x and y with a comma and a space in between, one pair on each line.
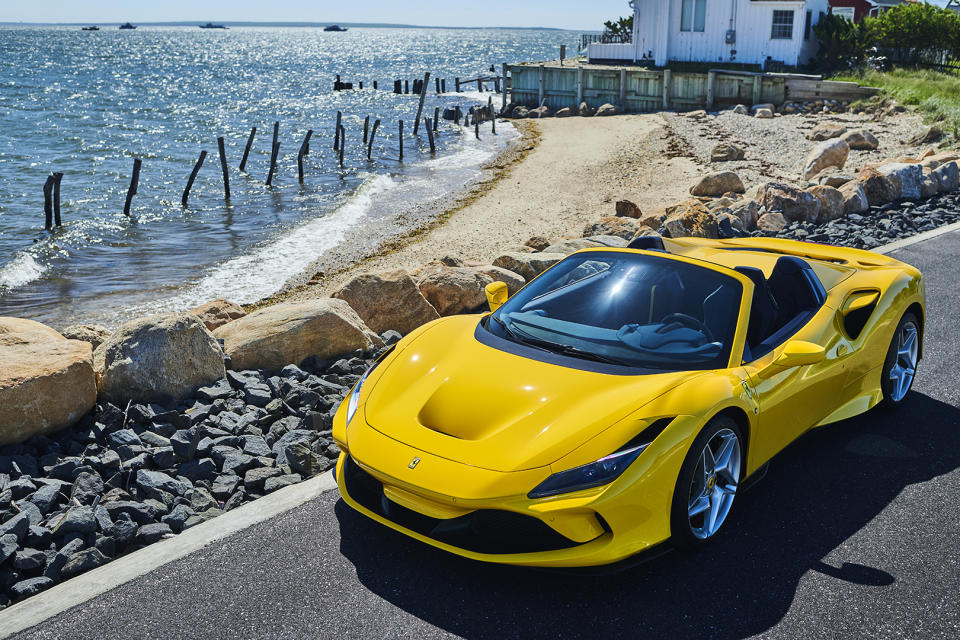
708, 483
900, 365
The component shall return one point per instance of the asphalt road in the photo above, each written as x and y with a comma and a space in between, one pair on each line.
853, 533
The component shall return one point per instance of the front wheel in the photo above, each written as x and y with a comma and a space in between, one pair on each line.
900, 365
708, 483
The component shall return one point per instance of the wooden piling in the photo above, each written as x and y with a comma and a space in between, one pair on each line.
246, 150
373, 134
361, 84
57, 177
479, 85
366, 128
134, 183
503, 85
396, 87
374, 85
476, 126
456, 115
429, 124
223, 168
457, 81
193, 176
48, 203
406, 86
437, 82
401, 141
667, 81
436, 118
273, 163
302, 153
423, 95
343, 143
336, 132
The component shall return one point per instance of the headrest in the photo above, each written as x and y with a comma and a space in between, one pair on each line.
650, 243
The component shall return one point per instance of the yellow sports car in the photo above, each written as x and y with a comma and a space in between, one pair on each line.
620, 399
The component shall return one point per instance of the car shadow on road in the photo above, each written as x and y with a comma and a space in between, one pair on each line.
817, 493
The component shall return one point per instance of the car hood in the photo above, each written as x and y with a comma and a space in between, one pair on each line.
448, 394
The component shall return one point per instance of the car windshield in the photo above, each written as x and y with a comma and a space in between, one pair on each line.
628, 309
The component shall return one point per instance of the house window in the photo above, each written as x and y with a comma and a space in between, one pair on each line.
845, 12
693, 15
806, 25
782, 25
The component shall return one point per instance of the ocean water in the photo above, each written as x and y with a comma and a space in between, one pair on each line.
86, 103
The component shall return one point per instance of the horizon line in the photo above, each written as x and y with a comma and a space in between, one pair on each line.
279, 23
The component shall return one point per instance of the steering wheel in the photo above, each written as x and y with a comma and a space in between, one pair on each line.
689, 322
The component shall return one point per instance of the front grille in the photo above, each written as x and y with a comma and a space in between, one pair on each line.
483, 531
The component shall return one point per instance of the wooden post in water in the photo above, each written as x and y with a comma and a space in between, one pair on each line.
373, 134
457, 81
193, 176
273, 162
374, 85
361, 84
336, 132
429, 124
406, 86
48, 203
57, 177
396, 87
423, 95
479, 85
246, 150
343, 143
303, 152
436, 118
134, 183
223, 168
456, 115
437, 82
366, 128
476, 126
443, 86
401, 141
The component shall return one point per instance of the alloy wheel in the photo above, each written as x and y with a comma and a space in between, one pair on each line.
905, 365
714, 484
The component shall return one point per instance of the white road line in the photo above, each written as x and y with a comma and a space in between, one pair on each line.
84, 587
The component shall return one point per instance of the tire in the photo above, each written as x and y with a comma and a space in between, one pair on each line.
690, 532
896, 376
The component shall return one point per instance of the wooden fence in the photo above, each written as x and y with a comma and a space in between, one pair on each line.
636, 89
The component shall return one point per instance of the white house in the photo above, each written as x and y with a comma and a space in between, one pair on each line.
738, 31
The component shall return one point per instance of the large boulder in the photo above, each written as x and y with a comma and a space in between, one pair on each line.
763, 113
627, 209
717, 184
389, 300
747, 211
216, 313
514, 281
726, 152
691, 219
570, 245
158, 358
948, 176
854, 198
929, 184
91, 333
288, 333
452, 290
586, 110
826, 131
861, 140
908, 176
46, 381
930, 134
793, 203
829, 153
625, 228
878, 188
607, 110
772, 222
832, 203
528, 265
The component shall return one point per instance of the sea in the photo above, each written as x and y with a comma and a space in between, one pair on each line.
86, 103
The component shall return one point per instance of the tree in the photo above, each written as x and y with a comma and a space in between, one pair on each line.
842, 43
621, 28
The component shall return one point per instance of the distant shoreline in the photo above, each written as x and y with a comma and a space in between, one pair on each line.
351, 25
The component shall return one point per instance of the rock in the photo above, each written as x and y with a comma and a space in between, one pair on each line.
567, 247
586, 110
607, 110
691, 219
177, 517
908, 176
278, 482
566, 112
748, 212
17, 526
929, 184
927, 135
139, 512
46, 381
773, 222
8, 546
153, 481
196, 470
763, 114
537, 243
150, 533
741, 110
763, 105
77, 519
29, 559
92, 333
624, 228
832, 203
389, 300
83, 561
878, 188
529, 265
224, 485
830, 153
717, 184
254, 478
519, 112
86, 487
159, 358
303, 460
698, 114
726, 152
854, 198
627, 209
794, 204
452, 290
45, 497
514, 281
948, 176
826, 131
834, 178
860, 140
273, 337
217, 313
30, 586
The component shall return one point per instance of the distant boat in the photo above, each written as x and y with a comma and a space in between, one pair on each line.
93, 28
210, 25
334, 27
127, 25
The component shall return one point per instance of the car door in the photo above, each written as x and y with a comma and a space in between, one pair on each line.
792, 400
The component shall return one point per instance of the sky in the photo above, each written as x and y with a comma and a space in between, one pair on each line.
566, 14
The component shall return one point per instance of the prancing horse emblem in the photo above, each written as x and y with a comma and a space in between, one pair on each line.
413, 463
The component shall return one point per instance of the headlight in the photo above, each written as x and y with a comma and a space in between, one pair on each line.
353, 400
595, 474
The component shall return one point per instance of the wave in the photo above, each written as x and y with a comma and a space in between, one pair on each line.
23, 269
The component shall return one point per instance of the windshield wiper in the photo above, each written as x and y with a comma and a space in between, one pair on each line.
557, 347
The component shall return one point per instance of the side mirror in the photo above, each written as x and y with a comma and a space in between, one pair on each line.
496, 294
798, 353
